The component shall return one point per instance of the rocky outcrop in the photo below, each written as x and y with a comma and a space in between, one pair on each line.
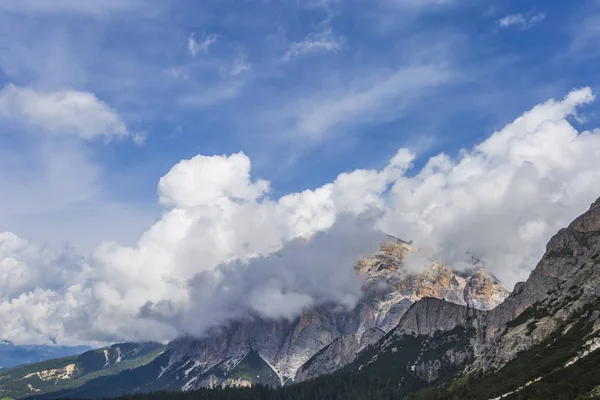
340, 352
483, 291
429, 315
370, 337
337, 354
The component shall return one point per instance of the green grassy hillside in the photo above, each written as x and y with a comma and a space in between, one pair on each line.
72, 372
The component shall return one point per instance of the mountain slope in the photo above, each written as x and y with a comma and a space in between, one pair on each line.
74, 371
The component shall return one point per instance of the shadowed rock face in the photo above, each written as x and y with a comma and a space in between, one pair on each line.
389, 291
337, 354
430, 315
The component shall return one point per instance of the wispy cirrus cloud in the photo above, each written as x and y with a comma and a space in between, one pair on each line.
380, 96
522, 21
240, 66
317, 42
201, 46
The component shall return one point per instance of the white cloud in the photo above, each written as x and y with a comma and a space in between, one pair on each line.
240, 65
195, 47
502, 200
382, 95
499, 201
62, 112
523, 21
321, 42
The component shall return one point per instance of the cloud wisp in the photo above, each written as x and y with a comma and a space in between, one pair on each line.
380, 96
522, 21
196, 47
317, 42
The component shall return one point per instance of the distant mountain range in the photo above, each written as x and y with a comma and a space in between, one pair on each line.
12, 355
438, 335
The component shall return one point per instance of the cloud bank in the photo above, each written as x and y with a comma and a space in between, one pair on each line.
223, 249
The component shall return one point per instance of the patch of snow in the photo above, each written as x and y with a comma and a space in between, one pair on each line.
188, 384
190, 369
165, 369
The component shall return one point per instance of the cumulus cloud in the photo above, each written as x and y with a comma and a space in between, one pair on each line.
502, 200
304, 273
523, 21
223, 249
203, 46
62, 112
319, 42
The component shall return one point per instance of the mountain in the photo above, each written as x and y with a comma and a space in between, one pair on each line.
12, 355
287, 345
74, 371
284, 349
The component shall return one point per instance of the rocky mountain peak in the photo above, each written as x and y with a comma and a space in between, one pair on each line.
476, 288
331, 334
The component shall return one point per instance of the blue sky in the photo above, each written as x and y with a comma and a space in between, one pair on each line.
307, 89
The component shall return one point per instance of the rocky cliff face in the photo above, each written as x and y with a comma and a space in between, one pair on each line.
389, 291
430, 315
337, 354
566, 280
